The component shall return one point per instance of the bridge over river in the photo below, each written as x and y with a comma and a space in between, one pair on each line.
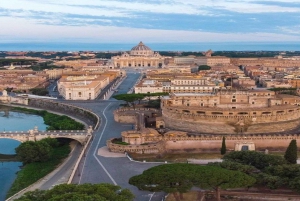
35, 135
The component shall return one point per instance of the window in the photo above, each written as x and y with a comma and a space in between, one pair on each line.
254, 112
201, 104
79, 94
245, 148
253, 103
233, 100
215, 104
233, 96
233, 107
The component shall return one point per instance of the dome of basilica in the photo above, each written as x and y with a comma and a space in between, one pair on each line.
140, 46
141, 50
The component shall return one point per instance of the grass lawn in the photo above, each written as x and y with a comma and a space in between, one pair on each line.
174, 157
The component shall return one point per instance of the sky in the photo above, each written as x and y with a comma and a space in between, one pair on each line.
122, 21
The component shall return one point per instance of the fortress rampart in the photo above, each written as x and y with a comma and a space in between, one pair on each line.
178, 142
222, 121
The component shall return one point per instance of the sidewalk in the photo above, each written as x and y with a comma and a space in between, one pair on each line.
112, 89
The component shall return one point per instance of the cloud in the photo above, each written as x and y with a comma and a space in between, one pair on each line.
211, 16
291, 30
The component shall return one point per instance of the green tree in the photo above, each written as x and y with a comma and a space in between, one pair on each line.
231, 165
204, 67
86, 192
170, 178
129, 98
39, 91
223, 148
215, 178
28, 152
291, 152
253, 158
179, 178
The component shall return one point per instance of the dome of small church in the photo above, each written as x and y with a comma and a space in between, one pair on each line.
141, 50
140, 46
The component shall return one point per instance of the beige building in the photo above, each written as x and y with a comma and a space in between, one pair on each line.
218, 61
82, 87
267, 62
139, 56
148, 86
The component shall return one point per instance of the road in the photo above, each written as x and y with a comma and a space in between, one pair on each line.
115, 170
62, 174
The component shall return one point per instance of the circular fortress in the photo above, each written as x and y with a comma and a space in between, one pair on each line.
231, 112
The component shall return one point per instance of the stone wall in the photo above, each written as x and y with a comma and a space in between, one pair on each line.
141, 149
208, 143
84, 115
129, 115
213, 143
231, 124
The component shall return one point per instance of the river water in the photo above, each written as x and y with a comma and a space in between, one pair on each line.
13, 121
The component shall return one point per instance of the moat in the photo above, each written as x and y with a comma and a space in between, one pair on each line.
13, 121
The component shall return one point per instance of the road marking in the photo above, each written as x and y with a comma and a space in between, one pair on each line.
151, 196
94, 154
105, 170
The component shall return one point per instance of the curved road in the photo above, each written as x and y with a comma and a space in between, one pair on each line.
116, 170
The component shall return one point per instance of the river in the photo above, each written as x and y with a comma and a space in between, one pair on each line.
13, 121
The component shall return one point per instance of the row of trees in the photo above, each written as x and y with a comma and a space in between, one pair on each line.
54, 121
39, 91
272, 171
58, 122
84, 192
290, 155
180, 178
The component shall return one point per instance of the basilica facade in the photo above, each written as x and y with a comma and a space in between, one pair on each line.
139, 56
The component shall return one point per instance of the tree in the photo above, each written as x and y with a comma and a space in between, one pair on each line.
86, 192
129, 98
39, 91
223, 148
231, 165
29, 152
215, 178
170, 178
204, 67
174, 178
253, 158
291, 152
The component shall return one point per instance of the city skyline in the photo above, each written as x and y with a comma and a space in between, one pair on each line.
121, 21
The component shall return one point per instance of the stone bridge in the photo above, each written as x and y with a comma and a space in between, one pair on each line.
35, 135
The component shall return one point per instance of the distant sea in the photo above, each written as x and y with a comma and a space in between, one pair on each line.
226, 46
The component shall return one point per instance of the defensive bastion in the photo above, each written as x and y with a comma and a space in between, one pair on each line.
232, 112
250, 120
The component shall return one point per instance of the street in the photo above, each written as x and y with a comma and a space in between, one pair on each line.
116, 170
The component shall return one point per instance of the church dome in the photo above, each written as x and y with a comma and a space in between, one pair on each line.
140, 47
141, 50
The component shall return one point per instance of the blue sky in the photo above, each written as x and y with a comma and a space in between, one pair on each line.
152, 20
